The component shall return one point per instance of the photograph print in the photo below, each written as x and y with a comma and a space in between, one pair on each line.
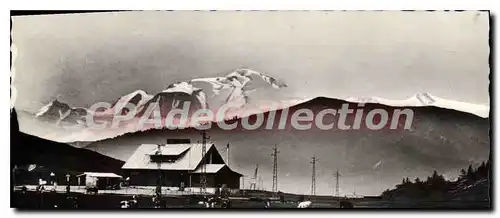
251, 109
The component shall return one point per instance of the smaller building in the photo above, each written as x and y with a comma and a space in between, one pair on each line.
100, 180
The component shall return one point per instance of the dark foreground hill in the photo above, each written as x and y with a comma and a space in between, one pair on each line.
472, 186
27, 149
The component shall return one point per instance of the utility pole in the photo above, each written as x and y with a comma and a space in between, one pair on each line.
337, 186
227, 154
158, 166
258, 183
203, 175
313, 180
253, 183
261, 183
68, 180
243, 182
275, 171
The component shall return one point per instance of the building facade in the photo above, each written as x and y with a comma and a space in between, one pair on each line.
178, 164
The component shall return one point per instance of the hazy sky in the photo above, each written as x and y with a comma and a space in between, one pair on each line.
84, 58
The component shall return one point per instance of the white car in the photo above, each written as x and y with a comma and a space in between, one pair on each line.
304, 204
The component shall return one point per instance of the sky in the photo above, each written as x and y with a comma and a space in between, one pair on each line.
85, 58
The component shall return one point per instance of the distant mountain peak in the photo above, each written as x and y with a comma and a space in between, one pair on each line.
136, 98
246, 75
60, 112
138, 92
426, 99
134, 93
53, 106
185, 87
56, 101
233, 90
427, 94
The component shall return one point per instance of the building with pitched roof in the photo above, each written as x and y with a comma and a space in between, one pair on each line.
99, 180
179, 164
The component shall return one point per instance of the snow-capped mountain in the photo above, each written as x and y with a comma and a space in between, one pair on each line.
174, 97
134, 99
76, 116
54, 109
188, 88
233, 90
62, 113
426, 99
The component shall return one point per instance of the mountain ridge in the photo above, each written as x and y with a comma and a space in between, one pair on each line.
440, 139
170, 98
317, 101
427, 99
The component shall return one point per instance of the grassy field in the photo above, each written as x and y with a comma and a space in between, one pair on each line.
48, 200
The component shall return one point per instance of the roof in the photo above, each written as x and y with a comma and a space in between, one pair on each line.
189, 160
174, 149
215, 168
210, 168
107, 175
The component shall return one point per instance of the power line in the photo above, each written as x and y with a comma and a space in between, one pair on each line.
158, 166
261, 183
253, 183
275, 171
226, 151
203, 175
337, 186
313, 179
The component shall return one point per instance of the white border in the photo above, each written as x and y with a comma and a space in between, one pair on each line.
216, 5
252, 5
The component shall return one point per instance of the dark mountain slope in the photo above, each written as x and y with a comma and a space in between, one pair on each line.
371, 160
28, 149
